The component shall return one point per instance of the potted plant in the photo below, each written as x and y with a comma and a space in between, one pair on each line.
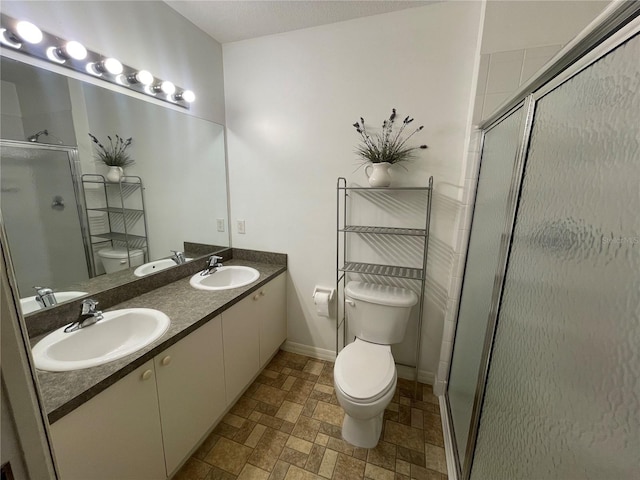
114, 155
381, 150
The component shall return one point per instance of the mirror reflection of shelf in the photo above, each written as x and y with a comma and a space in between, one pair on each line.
384, 230
115, 214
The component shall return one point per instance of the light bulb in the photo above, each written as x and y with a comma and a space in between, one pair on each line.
28, 32
143, 76
9, 39
168, 87
75, 50
112, 66
165, 87
187, 95
55, 55
71, 49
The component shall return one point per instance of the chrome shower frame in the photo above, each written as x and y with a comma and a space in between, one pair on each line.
617, 24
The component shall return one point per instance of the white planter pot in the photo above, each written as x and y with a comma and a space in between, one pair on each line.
379, 177
114, 174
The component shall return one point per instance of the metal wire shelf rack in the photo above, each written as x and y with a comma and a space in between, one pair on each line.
346, 267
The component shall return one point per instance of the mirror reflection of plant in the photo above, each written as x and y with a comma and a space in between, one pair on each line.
387, 146
114, 154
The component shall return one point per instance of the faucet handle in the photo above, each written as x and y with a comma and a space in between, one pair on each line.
43, 290
89, 306
178, 257
213, 261
45, 297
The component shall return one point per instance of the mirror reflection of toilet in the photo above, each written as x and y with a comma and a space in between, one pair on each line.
365, 373
116, 259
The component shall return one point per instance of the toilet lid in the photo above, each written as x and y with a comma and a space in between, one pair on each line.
381, 294
118, 253
364, 370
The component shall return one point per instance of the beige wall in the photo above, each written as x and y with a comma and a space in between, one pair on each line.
291, 99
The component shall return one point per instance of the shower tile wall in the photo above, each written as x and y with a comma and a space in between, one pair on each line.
502, 73
499, 77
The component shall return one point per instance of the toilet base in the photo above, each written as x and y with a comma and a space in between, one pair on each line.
362, 433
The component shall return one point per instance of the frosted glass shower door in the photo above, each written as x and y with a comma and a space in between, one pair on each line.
562, 398
41, 217
484, 262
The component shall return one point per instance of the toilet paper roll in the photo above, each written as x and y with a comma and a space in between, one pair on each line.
322, 303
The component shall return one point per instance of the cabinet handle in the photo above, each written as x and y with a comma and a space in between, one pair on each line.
166, 360
147, 375
256, 296
262, 293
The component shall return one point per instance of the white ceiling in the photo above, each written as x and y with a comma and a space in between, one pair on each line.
230, 21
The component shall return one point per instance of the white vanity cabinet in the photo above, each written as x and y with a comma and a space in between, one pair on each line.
190, 381
116, 434
144, 425
252, 331
271, 302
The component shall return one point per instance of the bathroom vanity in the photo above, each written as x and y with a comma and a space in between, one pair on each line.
142, 416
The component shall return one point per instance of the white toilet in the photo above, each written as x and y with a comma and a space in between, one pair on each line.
365, 373
116, 259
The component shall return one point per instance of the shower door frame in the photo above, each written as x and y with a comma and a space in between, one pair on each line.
74, 166
617, 24
524, 132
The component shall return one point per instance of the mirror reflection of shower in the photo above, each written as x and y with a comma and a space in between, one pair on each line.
42, 214
35, 138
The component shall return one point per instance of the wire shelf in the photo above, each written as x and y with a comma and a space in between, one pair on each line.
413, 232
386, 270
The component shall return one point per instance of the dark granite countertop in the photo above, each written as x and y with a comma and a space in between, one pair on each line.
187, 308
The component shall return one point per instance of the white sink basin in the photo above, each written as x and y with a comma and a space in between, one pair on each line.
224, 278
156, 266
29, 304
118, 334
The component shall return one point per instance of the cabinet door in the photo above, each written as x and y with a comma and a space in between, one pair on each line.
190, 379
241, 338
116, 434
273, 317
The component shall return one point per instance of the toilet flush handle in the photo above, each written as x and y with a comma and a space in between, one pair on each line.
350, 302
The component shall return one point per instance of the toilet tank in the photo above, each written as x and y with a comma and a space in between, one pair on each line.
378, 313
116, 259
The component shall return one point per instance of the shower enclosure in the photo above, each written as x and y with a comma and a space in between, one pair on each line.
545, 370
42, 214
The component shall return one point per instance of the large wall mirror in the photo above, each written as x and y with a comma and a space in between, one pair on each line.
47, 152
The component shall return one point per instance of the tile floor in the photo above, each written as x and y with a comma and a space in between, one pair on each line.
287, 425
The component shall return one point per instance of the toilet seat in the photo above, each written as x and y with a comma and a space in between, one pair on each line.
365, 371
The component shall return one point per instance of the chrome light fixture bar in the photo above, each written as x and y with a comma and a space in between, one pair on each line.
27, 38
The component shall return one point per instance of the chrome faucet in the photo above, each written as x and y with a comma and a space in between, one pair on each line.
178, 257
45, 297
88, 316
212, 265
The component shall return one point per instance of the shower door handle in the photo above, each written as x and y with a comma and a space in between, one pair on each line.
57, 203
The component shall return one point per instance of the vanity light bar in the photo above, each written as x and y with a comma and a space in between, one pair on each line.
29, 39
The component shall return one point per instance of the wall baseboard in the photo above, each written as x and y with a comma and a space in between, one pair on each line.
330, 356
309, 351
423, 375
452, 471
439, 387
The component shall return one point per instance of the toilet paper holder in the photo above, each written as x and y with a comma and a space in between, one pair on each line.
330, 291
